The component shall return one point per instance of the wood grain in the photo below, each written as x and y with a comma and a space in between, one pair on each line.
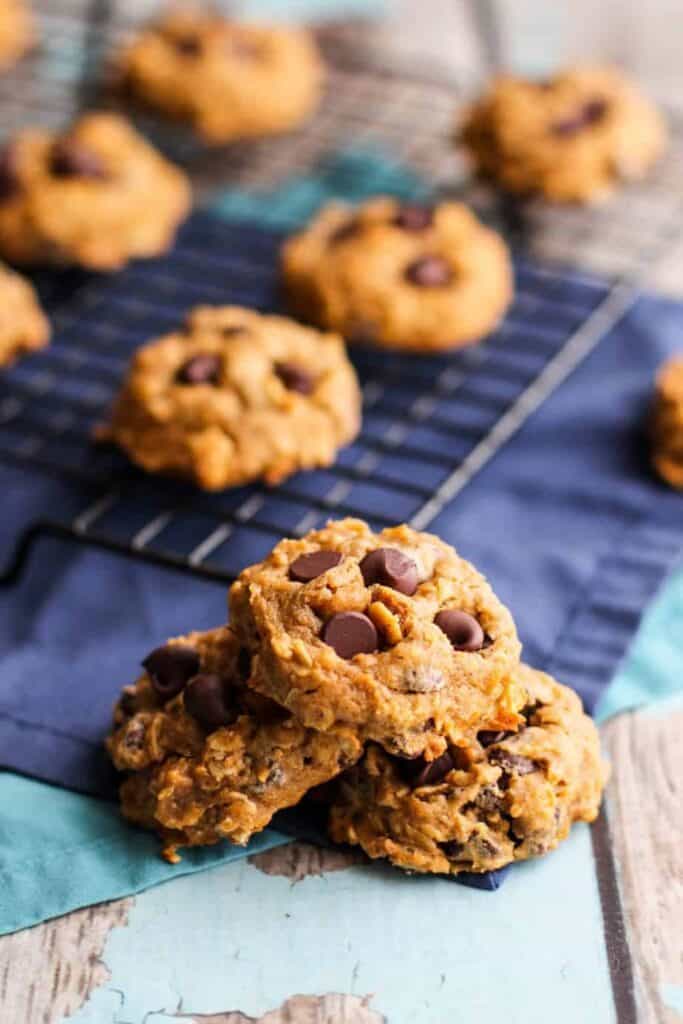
329, 1009
645, 813
299, 860
48, 972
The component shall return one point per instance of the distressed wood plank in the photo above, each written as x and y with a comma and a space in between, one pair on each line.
645, 813
48, 972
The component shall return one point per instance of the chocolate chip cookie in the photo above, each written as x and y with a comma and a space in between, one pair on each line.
571, 138
666, 424
23, 325
228, 80
17, 31
391, 634
402, 276
234, 396
207, 759
513, 796
98, 196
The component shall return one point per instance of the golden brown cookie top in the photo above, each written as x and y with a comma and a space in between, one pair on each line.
392, 633
206, 758
666, 423
513, 796
17, 31
234, 395
229, 79
96, 195
23, 325
569, 137
401, 275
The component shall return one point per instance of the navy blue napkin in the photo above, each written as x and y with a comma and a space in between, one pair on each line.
567, 520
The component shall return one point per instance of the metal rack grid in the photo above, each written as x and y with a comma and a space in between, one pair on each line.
429, 424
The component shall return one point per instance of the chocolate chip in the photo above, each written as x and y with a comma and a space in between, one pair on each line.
590, 113
420, 772
170, 667
452, 848
69, 159
232, 330
350, 633
347, 229
189, 45
10, 184
487, 737
134, 736
463, 631
207, 698
308, 567
204, 368
294, 378
391, 568
514, 764
429, 272
412, 217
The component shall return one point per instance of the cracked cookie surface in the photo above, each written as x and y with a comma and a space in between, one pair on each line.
514, 796
97, 196
206, 758
666, 423
392, 634
235, 396
228, 80
402, 276
571, 138
23, 325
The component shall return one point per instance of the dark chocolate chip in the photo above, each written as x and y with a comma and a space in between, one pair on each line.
170, 667
412, 217
463, 631
452, 848
347, 229
207, 698
189, 45
429, 272
10, 184
232, 330
391, 568
294, 378
351, 633
69, 159
487, 737
204, 368
308, 567
590, 113
514, 764
419, 772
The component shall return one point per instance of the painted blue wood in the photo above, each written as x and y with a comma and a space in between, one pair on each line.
426, 950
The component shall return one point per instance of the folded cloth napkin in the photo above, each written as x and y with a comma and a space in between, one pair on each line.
567, 521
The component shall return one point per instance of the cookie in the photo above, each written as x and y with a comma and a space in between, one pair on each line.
401, 276
666, 424
17, 31
96, 196
23, 325
514, 797
228, 80
205, 758
571, 138
234, 396
391, 634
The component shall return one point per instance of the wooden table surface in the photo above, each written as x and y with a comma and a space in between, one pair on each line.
131, 961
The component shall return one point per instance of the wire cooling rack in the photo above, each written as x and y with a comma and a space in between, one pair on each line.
429, 425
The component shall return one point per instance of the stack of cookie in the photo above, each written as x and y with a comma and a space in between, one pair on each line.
383, 664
